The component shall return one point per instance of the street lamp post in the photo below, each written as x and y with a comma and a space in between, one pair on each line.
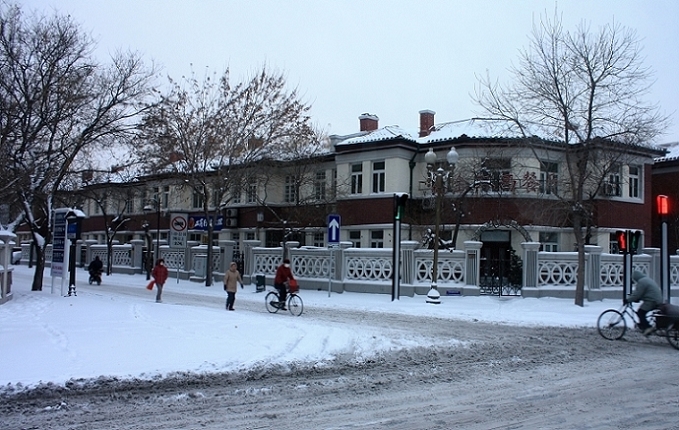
439, 177
149, 244
149, 208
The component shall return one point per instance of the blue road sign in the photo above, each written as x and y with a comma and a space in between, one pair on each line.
334, 222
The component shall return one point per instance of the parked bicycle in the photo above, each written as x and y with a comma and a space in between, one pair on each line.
293, 303
612, 324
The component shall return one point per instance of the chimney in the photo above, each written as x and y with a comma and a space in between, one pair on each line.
426, 122
368, 122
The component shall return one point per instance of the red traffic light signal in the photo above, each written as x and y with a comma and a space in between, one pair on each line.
663, 203
621, 237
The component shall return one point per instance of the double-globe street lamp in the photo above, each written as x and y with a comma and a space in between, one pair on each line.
440, 178
155, 205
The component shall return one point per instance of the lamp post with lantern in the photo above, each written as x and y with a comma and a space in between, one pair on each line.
155, 205
440, 177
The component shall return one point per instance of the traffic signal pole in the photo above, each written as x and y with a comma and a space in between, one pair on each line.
400, 200
662, 202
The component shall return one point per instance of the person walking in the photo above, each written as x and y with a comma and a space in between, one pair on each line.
231, 280
159, 274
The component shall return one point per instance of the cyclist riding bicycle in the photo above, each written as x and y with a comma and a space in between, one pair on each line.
281, 281
649, 293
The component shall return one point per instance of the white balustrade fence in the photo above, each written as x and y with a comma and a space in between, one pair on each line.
371, 270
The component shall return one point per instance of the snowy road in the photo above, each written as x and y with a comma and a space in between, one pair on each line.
493, 376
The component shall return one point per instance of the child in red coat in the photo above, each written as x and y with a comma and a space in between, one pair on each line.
159, 274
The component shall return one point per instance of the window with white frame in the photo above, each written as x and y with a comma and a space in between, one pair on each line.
549, 177
291, 190
252, 191
634, 174
377, 238
235, 193
197, 200
612, 187
250, 235
356, 178
165, 197
355, 238
319, 185
333, 189
549, 241
378, 176
319, 239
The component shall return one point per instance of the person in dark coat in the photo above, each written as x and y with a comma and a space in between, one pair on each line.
96, 266
648, 292
281, 281
159, 274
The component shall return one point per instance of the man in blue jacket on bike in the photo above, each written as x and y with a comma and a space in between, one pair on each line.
649, 293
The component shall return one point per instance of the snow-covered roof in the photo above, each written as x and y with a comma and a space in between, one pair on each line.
473, 128
384, 133
672, 152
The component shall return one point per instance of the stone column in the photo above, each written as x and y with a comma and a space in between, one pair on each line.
226, 247
88, 249
408, 260
248, 245
654, 269
472, 268
137, 245
593, 272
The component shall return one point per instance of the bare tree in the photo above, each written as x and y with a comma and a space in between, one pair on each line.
586, 89
210, 131
55, 102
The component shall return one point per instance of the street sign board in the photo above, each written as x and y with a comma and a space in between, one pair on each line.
334, 224
58, 243
179, 228
199, 222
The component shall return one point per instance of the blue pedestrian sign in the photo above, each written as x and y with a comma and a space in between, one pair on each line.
334, 222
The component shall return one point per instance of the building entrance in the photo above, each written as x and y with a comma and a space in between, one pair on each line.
495, 265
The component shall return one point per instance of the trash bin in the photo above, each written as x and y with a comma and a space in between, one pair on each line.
261, 283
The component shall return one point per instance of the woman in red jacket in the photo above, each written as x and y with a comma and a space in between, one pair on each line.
159, 274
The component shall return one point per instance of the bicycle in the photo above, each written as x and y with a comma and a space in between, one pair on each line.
294, 302
612, 324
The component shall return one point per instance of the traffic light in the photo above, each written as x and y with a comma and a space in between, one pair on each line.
634, 239
663, 204
400, 200
621, 236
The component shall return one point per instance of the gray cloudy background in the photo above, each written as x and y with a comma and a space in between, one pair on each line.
390, 58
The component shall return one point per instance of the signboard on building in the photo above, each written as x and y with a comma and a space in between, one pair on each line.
58, 243
179, 228
199, 222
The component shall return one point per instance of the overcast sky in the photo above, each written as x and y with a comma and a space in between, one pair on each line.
391, 58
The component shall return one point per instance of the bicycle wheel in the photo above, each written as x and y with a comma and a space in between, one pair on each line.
672, 334
295, 305
271, 302
611, 324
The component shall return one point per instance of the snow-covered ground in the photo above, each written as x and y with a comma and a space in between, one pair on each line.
117, 329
